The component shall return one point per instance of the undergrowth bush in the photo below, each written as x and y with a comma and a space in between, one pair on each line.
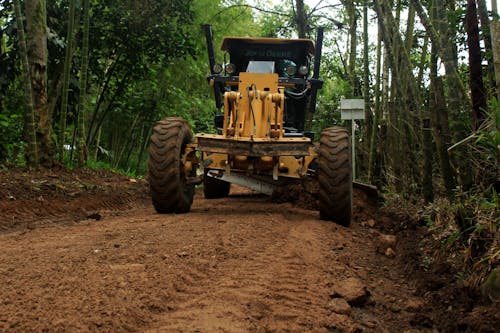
464, 234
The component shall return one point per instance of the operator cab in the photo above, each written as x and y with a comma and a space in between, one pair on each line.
291, 59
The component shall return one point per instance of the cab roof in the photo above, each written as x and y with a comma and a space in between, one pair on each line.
235, 42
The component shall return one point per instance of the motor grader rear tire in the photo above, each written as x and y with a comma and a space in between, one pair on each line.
335, 176
214, 188
167, 177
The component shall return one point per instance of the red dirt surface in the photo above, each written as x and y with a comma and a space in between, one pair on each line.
84, 251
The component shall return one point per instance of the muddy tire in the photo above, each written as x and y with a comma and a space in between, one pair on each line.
335, 176
167, 178
214, 188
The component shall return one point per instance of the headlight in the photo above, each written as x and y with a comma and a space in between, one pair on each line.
230, 69
217, 68
303, 70
290, 70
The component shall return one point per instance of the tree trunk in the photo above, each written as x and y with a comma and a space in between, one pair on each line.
145, 133
30, 132
485, 27
68, 58
36, 28
427, 187
353, 43
301, 19
368, 123
378, 111
82, 106
109, 73
394, 132
423, 59
478, 94
441, 135
97, 144
495, 39
128, 142
440, 125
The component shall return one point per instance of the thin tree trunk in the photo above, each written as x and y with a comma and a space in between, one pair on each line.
144, 142
441, 135
97, 143
385, 79
485, 28
388, 28
66, 78
36, 29
119, 89
427, 187
353, 43
423, 58
54, 90
495, 39
394, 132
378, 111
129, 138
82, 106
368, 123
301, 19
478, 93
32, 151
104, 88
458, 98
440, 124
410, 26
414, 120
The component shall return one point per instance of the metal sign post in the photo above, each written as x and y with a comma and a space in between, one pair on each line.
352, 109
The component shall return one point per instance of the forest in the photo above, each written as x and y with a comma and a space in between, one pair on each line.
82, 83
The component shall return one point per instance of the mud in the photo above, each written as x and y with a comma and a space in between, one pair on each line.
84, 251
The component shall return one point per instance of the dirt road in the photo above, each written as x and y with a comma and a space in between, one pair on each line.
241, 264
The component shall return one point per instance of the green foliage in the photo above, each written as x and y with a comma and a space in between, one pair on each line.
10, 129
327, 110
489, 136
92, 164
11, 124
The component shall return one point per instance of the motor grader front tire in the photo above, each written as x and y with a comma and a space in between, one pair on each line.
335, 176
170, 192
214, 188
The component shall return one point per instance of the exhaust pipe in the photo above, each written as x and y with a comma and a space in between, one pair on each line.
316, 83
211, 61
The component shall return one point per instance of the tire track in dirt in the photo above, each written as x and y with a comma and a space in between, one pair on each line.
271, 275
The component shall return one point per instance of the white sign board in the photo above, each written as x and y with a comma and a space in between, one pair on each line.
352, 109
352, 104
352, 114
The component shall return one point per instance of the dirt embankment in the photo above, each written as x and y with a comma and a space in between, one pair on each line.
84, 251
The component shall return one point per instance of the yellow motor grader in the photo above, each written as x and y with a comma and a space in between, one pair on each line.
264, 91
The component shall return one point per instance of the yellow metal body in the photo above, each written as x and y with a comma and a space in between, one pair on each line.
252, 138
256, 109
